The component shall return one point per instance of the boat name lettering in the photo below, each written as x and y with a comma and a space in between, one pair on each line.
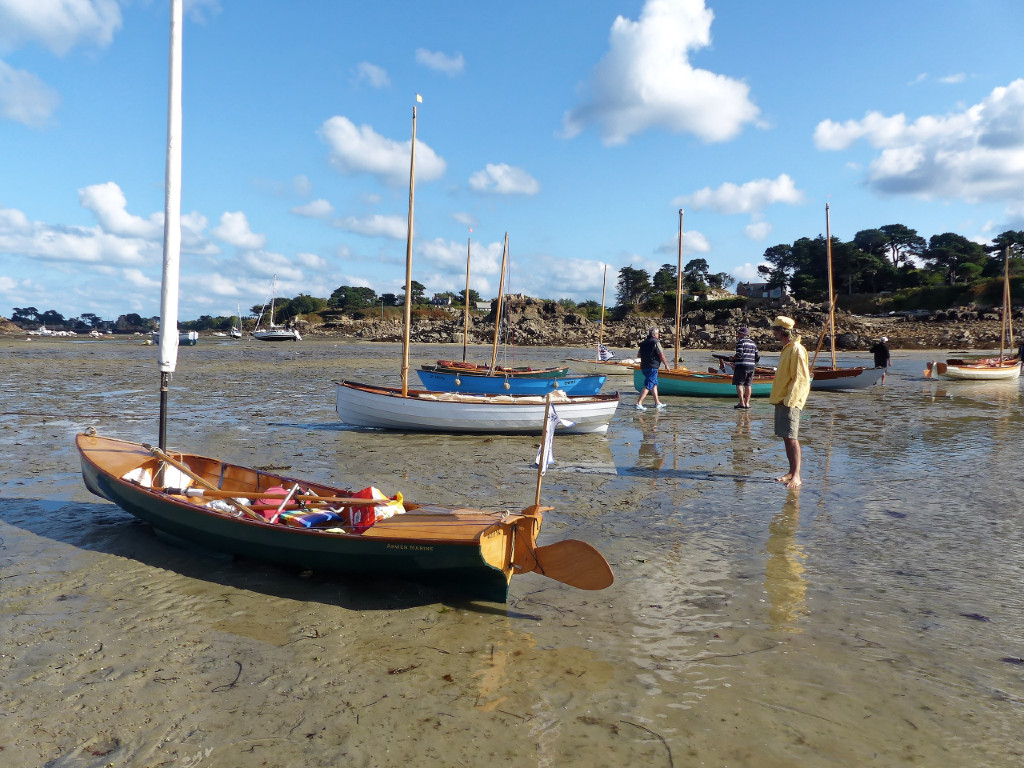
417, 547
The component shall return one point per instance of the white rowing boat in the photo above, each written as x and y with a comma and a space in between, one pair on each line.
366, 405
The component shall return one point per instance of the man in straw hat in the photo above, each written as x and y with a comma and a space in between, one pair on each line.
789, 393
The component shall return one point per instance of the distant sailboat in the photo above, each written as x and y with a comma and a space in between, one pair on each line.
604, 360
236, 330
274, 332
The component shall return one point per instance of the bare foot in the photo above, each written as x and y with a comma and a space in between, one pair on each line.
795, 482
784, 479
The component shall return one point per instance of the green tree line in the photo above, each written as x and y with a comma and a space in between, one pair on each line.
887, 259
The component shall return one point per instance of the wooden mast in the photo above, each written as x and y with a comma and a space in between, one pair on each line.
408, 261
465, 331
600, 330
831, 298
501, 299
830, 328
1007, 307
679, 290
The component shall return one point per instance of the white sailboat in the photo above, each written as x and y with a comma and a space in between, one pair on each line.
1006, 366
368, 405
604, 360
236, 330
274, 332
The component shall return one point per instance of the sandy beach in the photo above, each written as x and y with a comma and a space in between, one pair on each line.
874, 617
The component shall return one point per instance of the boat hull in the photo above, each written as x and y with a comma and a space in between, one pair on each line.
977, 372
472, 369
364, 405
277, 334
442, 381
694, 384
469, 551
605, 367
185, 338
840, 379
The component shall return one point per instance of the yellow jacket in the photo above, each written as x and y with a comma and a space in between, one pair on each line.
793, 377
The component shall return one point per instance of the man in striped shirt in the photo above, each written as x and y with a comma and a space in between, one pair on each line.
744, 362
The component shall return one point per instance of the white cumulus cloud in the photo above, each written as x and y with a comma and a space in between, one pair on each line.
751, 197
646, 80
504, 179
234, 230
315, 209
758, 230
360, 149
25, 98
693, 242
440, 62
60, 25
747, 273
377, 225
109, 206
372, 75
974, 154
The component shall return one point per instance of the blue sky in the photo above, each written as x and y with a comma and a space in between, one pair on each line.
580, 127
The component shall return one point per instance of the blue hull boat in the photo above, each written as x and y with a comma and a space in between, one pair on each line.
439, 381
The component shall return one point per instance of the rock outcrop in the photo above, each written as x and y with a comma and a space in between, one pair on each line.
532, 322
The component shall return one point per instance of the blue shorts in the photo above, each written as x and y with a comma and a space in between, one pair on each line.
742, 376
650, 378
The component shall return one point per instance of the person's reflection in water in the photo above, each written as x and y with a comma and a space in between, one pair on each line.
650, 455
742, 445
784, 572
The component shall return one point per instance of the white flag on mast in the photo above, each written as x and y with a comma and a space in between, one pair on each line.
545, 452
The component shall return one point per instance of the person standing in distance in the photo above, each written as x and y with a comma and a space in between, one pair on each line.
744, 362
883, 359
652, 357
789, 393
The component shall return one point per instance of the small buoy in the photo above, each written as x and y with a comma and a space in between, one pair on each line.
507, 385
555, 385
458, 382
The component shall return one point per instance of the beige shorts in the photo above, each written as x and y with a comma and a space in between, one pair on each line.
787, 421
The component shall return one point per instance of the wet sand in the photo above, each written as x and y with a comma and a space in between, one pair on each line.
872, 618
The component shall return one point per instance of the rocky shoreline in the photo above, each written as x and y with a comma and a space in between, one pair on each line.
547, 323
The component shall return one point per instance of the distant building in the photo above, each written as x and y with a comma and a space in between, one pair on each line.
483, 306
442, 300
760, 290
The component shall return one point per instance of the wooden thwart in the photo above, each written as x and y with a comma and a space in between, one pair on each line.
213, 493
187, 471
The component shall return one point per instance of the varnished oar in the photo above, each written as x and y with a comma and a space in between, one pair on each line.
216, 493
575, 563
187, 471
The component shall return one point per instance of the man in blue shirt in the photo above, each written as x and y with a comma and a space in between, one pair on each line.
652, 357
744, 362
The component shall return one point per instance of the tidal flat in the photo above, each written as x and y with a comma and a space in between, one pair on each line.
873, 617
